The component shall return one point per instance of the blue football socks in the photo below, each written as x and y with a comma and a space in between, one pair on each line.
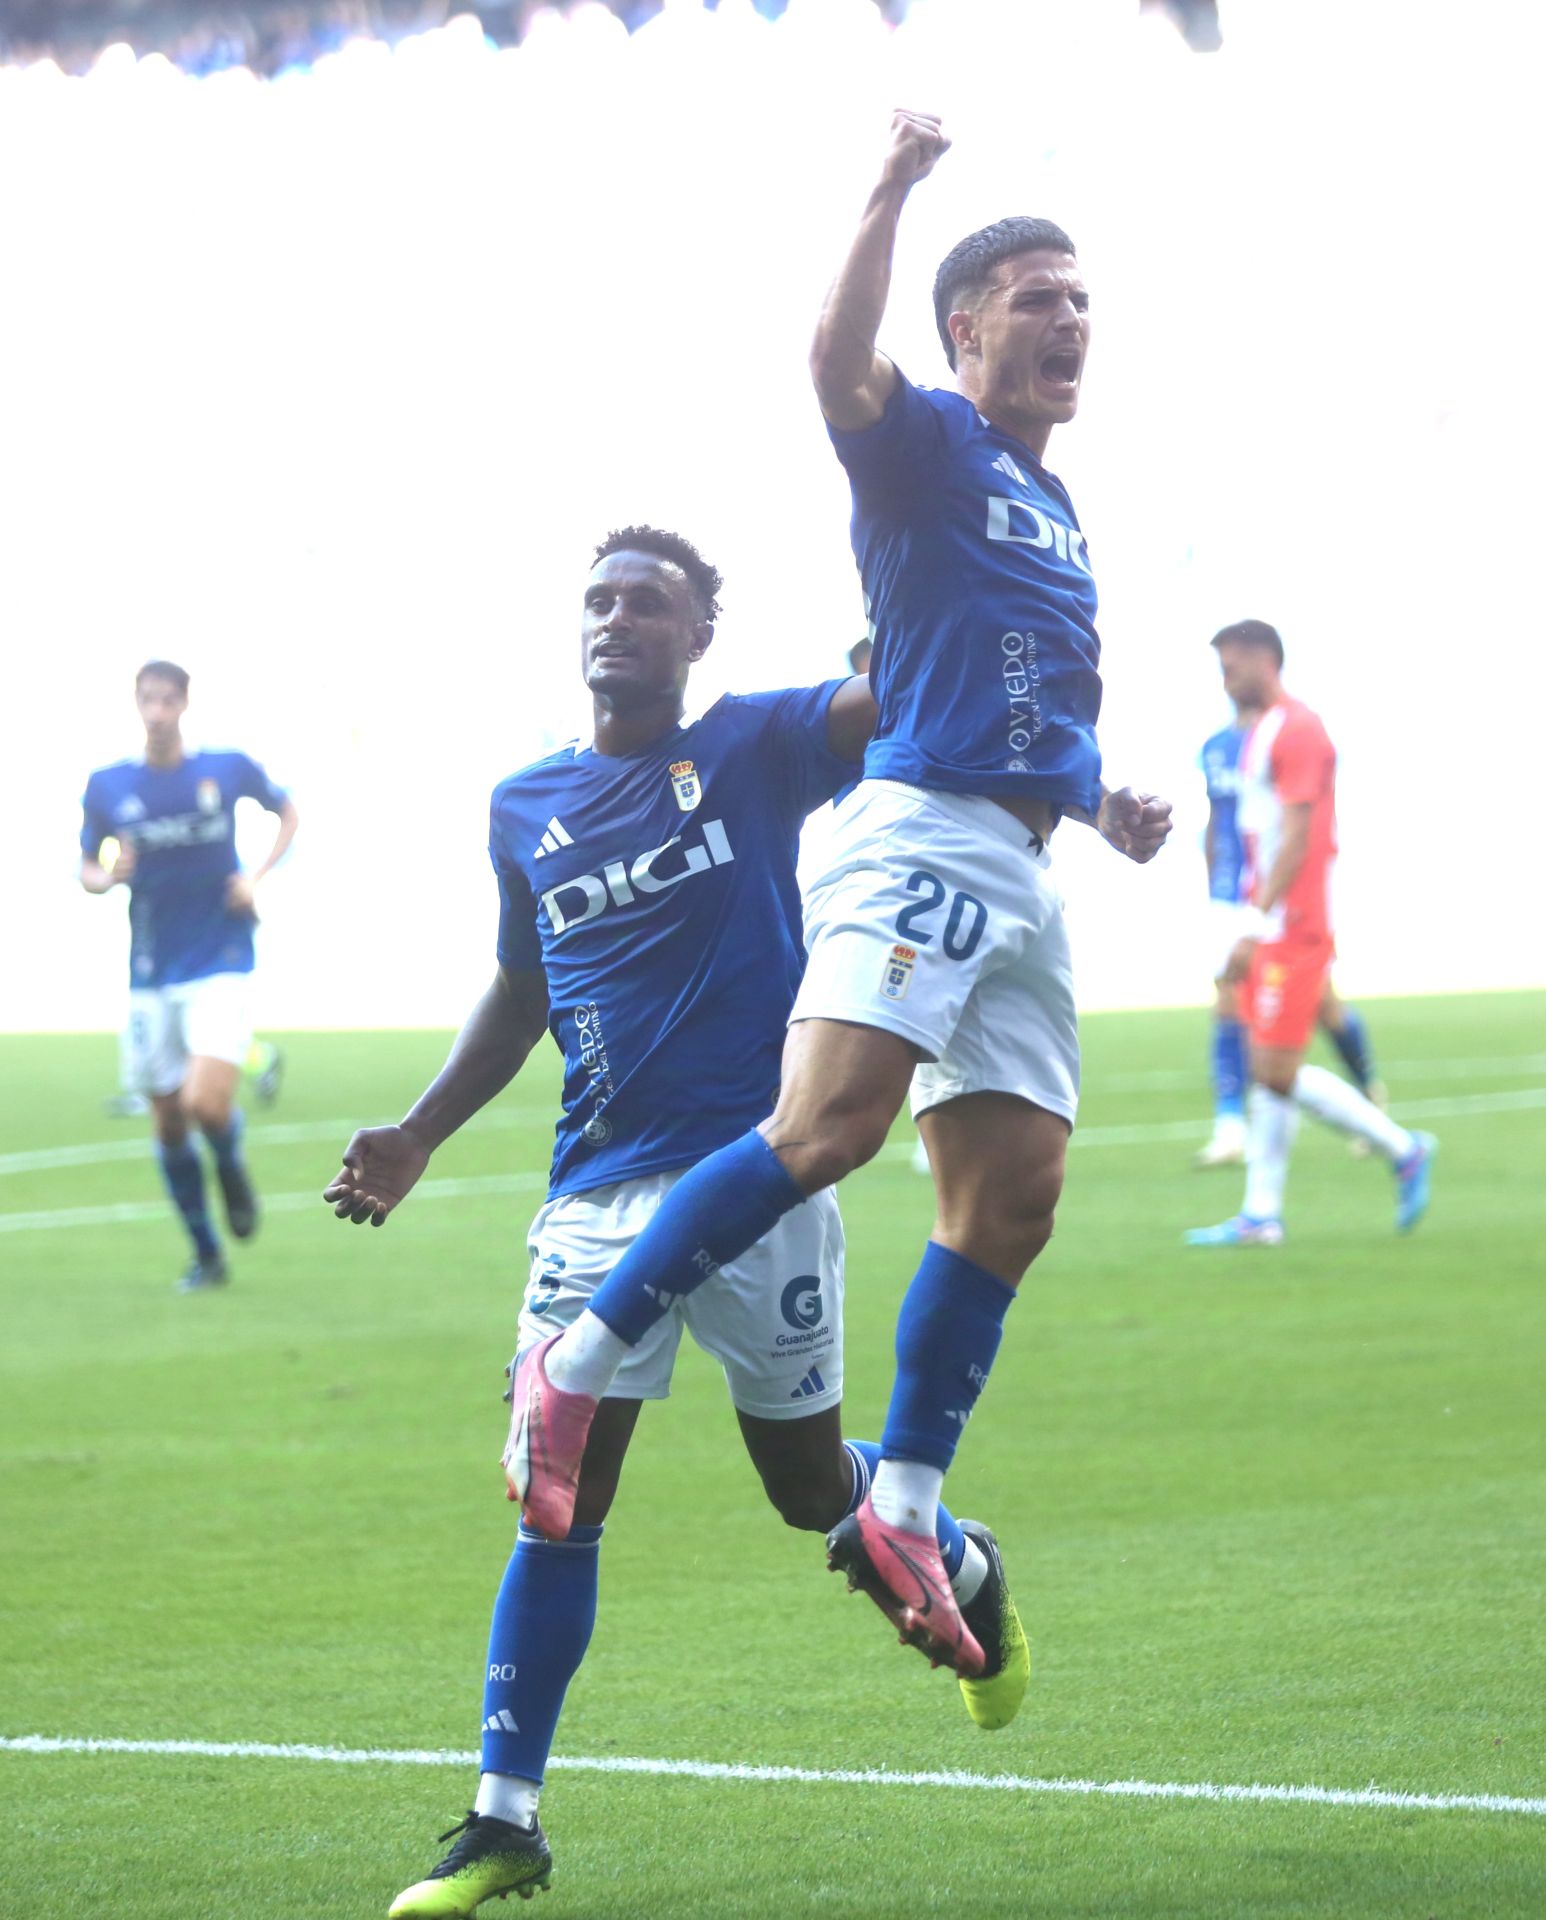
711, 1216
865, 1456
1352, 1043
947, 1334
542, 1624
1229, 1076
183, 1172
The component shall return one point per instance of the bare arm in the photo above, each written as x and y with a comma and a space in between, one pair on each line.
1290, 857
381, 1164
1284, 871
854, 380
851, 718
242, 888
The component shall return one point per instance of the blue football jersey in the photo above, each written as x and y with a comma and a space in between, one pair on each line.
981, 603
181, 823
1220, 762
657, 892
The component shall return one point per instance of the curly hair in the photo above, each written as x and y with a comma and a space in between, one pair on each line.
704, 579
965, 270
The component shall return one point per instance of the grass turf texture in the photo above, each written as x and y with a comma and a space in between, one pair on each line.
1271, 1515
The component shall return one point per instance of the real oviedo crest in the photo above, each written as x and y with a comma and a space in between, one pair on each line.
685, 784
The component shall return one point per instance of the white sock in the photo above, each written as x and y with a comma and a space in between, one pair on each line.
587, 1357
905, 1493
1339, 1103
971, 1573
506, 1796
1271, 1123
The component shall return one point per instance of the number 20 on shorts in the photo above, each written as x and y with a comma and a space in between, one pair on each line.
964, 923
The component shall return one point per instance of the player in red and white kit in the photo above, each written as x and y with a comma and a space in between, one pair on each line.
1282, 961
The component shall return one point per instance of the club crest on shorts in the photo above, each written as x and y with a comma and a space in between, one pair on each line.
897, 975
209, 796
685, 782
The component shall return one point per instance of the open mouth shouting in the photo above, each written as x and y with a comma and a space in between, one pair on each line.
1058, 371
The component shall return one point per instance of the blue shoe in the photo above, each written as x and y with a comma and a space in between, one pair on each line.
1413, 1175
1242, 1231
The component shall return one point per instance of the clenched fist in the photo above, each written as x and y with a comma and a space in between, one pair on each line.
917, 141
1137, 824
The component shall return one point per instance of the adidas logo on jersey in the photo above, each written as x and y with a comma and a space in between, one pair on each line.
554, 838
811, 1385
620, 882
1004, 465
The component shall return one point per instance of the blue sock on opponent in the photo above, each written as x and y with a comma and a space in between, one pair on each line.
542, 1624
865, 1456
1229, 1074
1352, 1043
711, 1216
947, 1334
183, 1172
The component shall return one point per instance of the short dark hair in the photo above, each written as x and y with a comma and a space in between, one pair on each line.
704, 579
1252, 633
163, 670
965, 269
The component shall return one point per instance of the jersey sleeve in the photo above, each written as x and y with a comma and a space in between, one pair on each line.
890, 461
1303, 761
252, 783
794, 742
519, 944
95, 824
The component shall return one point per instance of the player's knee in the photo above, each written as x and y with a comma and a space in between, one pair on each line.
1024, 1220
207, 1112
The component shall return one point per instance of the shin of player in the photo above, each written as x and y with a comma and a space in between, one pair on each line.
1282, 961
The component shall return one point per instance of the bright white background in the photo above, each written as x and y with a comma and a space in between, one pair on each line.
325, 387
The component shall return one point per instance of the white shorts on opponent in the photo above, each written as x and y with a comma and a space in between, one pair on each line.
209, 1019
935, 919
773, 1319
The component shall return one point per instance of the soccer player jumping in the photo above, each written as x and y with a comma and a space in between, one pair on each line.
191, 915
938, 955
1281, 962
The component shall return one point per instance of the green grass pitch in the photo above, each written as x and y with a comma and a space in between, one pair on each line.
1271, 1516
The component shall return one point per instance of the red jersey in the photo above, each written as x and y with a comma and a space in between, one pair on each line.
1288, 760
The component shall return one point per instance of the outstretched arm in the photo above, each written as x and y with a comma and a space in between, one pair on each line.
853, 380
381, 1164
1137, 824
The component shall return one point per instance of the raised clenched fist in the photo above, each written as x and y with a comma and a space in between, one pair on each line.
917, 141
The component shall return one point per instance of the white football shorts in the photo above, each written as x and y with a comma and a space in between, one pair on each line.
772, 1319
935, 918
207, 1019
1227, 921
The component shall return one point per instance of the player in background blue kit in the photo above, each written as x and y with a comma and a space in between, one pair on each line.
191, 914
1229, 896
938, 957
650, 921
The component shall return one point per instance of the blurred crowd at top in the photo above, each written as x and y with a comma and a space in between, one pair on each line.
270, 37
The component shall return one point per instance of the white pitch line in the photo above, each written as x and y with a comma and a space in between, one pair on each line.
133, 1212
39, 1743
92, 1153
